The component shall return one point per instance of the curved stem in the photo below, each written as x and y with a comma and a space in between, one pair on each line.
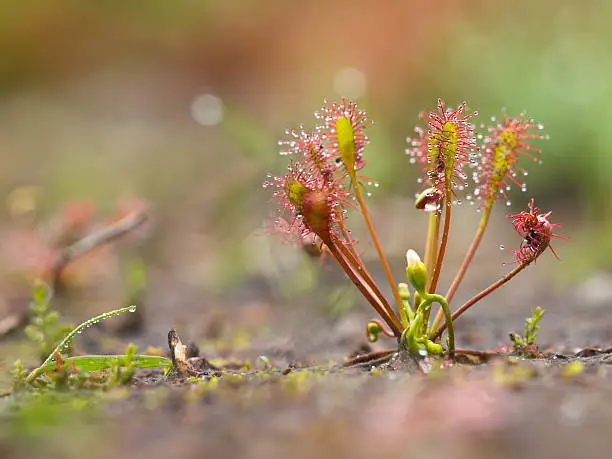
376, 242
365, 289
482, 294
383, 328
413, 338
448, 322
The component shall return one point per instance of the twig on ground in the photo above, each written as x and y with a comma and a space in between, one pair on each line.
96, 239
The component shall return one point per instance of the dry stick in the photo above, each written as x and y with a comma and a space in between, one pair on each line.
381, 255
93, 240
466, 262
363, 288
363, 272
482, 294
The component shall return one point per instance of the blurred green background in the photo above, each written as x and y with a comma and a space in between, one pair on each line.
180, 104
106, 106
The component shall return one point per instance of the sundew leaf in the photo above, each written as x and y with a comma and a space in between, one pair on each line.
90, 363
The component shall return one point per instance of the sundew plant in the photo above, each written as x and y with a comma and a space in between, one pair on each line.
324, 188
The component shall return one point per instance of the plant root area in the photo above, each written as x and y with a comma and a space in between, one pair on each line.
488, 406
314, 388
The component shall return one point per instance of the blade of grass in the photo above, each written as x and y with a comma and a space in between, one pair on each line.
90, 363
70, 336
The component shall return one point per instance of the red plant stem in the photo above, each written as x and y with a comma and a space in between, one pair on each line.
350, 246
363, 288
442, 250
491, 288
470, 253
466, 261
363, 272
366, 358
383, 329
381, 255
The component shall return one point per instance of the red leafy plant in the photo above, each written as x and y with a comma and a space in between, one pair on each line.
324, 186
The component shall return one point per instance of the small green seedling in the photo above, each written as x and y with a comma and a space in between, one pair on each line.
56, 363
523, 343
44, 328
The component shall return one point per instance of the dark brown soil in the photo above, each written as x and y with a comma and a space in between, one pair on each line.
301, 401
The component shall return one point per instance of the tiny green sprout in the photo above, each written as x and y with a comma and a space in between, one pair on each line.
372, 331
19, 376
525, 345
517, 340
532, 325
404, 293
44, 328
122, 371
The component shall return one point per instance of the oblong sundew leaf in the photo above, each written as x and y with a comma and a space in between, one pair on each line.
100, 362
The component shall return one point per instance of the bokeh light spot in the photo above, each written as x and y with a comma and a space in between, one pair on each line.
207, 109
350, 82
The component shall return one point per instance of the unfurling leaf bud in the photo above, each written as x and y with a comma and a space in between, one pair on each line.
416, 272
372, 330
403, 291
433, 348
429, 200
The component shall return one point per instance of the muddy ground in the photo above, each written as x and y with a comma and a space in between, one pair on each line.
300, 402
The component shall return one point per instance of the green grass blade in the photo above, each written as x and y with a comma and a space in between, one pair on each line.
91, 363
70, 336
